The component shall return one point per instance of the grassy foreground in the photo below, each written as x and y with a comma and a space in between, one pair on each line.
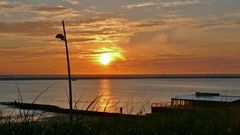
196, 122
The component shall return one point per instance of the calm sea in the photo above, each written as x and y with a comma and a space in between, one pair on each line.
133, 95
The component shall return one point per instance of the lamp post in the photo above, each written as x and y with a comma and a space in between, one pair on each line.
64, 38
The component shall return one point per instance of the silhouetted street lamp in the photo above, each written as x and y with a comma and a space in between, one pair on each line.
64, 38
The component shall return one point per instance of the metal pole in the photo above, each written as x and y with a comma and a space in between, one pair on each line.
69, 71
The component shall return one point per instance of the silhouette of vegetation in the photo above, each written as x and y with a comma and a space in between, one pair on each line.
196, 122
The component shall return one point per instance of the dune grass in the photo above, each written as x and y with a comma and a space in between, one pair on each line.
196, 122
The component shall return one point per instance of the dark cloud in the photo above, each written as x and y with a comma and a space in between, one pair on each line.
94, 26
88, 21
174, 56
79, 40
49, 9
150, 24
29, 28
6, 6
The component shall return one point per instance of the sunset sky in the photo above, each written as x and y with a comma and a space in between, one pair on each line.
120, 36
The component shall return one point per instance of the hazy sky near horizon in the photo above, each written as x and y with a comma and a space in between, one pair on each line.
143, 36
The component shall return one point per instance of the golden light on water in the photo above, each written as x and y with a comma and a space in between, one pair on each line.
105, 102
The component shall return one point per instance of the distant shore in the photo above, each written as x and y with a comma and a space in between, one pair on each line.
125, 76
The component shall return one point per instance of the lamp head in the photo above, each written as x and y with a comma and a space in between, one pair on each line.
60, 36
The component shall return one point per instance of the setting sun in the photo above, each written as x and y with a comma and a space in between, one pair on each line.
108, 55
105, 58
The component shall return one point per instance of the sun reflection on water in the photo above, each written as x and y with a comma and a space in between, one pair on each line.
105, 103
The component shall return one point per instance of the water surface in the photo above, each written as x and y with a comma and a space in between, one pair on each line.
134, 95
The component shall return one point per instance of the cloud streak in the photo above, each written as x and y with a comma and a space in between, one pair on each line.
106, 30
166, 4
72, 1
139, 5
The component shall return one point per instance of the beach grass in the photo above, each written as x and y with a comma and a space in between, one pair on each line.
207, 121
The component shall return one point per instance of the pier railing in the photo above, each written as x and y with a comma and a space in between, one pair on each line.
168, 105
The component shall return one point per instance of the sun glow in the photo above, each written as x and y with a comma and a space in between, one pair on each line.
105, 58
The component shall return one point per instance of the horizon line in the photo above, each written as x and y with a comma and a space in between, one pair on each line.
115, 76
